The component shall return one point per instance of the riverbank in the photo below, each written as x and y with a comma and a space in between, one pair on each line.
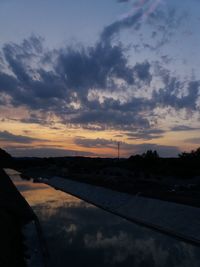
74, 227
171, 180
177, 220
14, 214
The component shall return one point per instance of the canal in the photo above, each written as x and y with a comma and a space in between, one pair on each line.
80, 234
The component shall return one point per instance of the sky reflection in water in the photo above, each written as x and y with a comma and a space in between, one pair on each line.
79, 234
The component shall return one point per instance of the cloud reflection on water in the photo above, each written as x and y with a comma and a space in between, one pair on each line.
102, 239
79, 234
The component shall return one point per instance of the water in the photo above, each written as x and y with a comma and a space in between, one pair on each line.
80, 234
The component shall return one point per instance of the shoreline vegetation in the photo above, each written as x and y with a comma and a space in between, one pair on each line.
171, 179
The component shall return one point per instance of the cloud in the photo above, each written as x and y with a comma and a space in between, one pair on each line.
63, 89
73, 71
129, 149
168, 96
73, 74
33, 118
137, 15
45, 152
95, 143
18, 55
121, 1
8, 137
111, 118
193, 140
145, 134
119, 25
94, 67
7, 83
44, 119
142, 70
159, 21
58, 82
180, 128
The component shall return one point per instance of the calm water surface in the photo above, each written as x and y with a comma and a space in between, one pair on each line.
79, 234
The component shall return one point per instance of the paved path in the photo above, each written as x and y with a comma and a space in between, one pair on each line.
178, 220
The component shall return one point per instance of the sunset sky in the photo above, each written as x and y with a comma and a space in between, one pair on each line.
77, 77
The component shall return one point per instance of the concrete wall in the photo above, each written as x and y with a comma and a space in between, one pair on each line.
174, 219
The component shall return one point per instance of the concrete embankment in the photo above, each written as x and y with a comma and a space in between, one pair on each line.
15, 213
180, 221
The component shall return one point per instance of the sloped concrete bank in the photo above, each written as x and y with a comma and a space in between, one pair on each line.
178, 220
14, 214
17, 224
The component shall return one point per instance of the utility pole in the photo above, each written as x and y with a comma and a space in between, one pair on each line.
118, 150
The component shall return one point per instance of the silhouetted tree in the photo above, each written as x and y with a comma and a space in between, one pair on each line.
150, 155
194, 154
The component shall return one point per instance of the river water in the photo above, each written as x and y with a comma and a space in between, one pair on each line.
79, 234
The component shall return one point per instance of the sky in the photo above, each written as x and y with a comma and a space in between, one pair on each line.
77, 77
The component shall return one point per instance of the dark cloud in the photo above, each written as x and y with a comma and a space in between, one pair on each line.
58, 82
121, 1
169, 95
18, 55
164, 22
7, 83
77, 71
119, 25
176, 93
33, 118
116, 119
9, 137
36, 87
95, 67
180, 128
74, 73
164, 151
142, 70
146, 134
114, 114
